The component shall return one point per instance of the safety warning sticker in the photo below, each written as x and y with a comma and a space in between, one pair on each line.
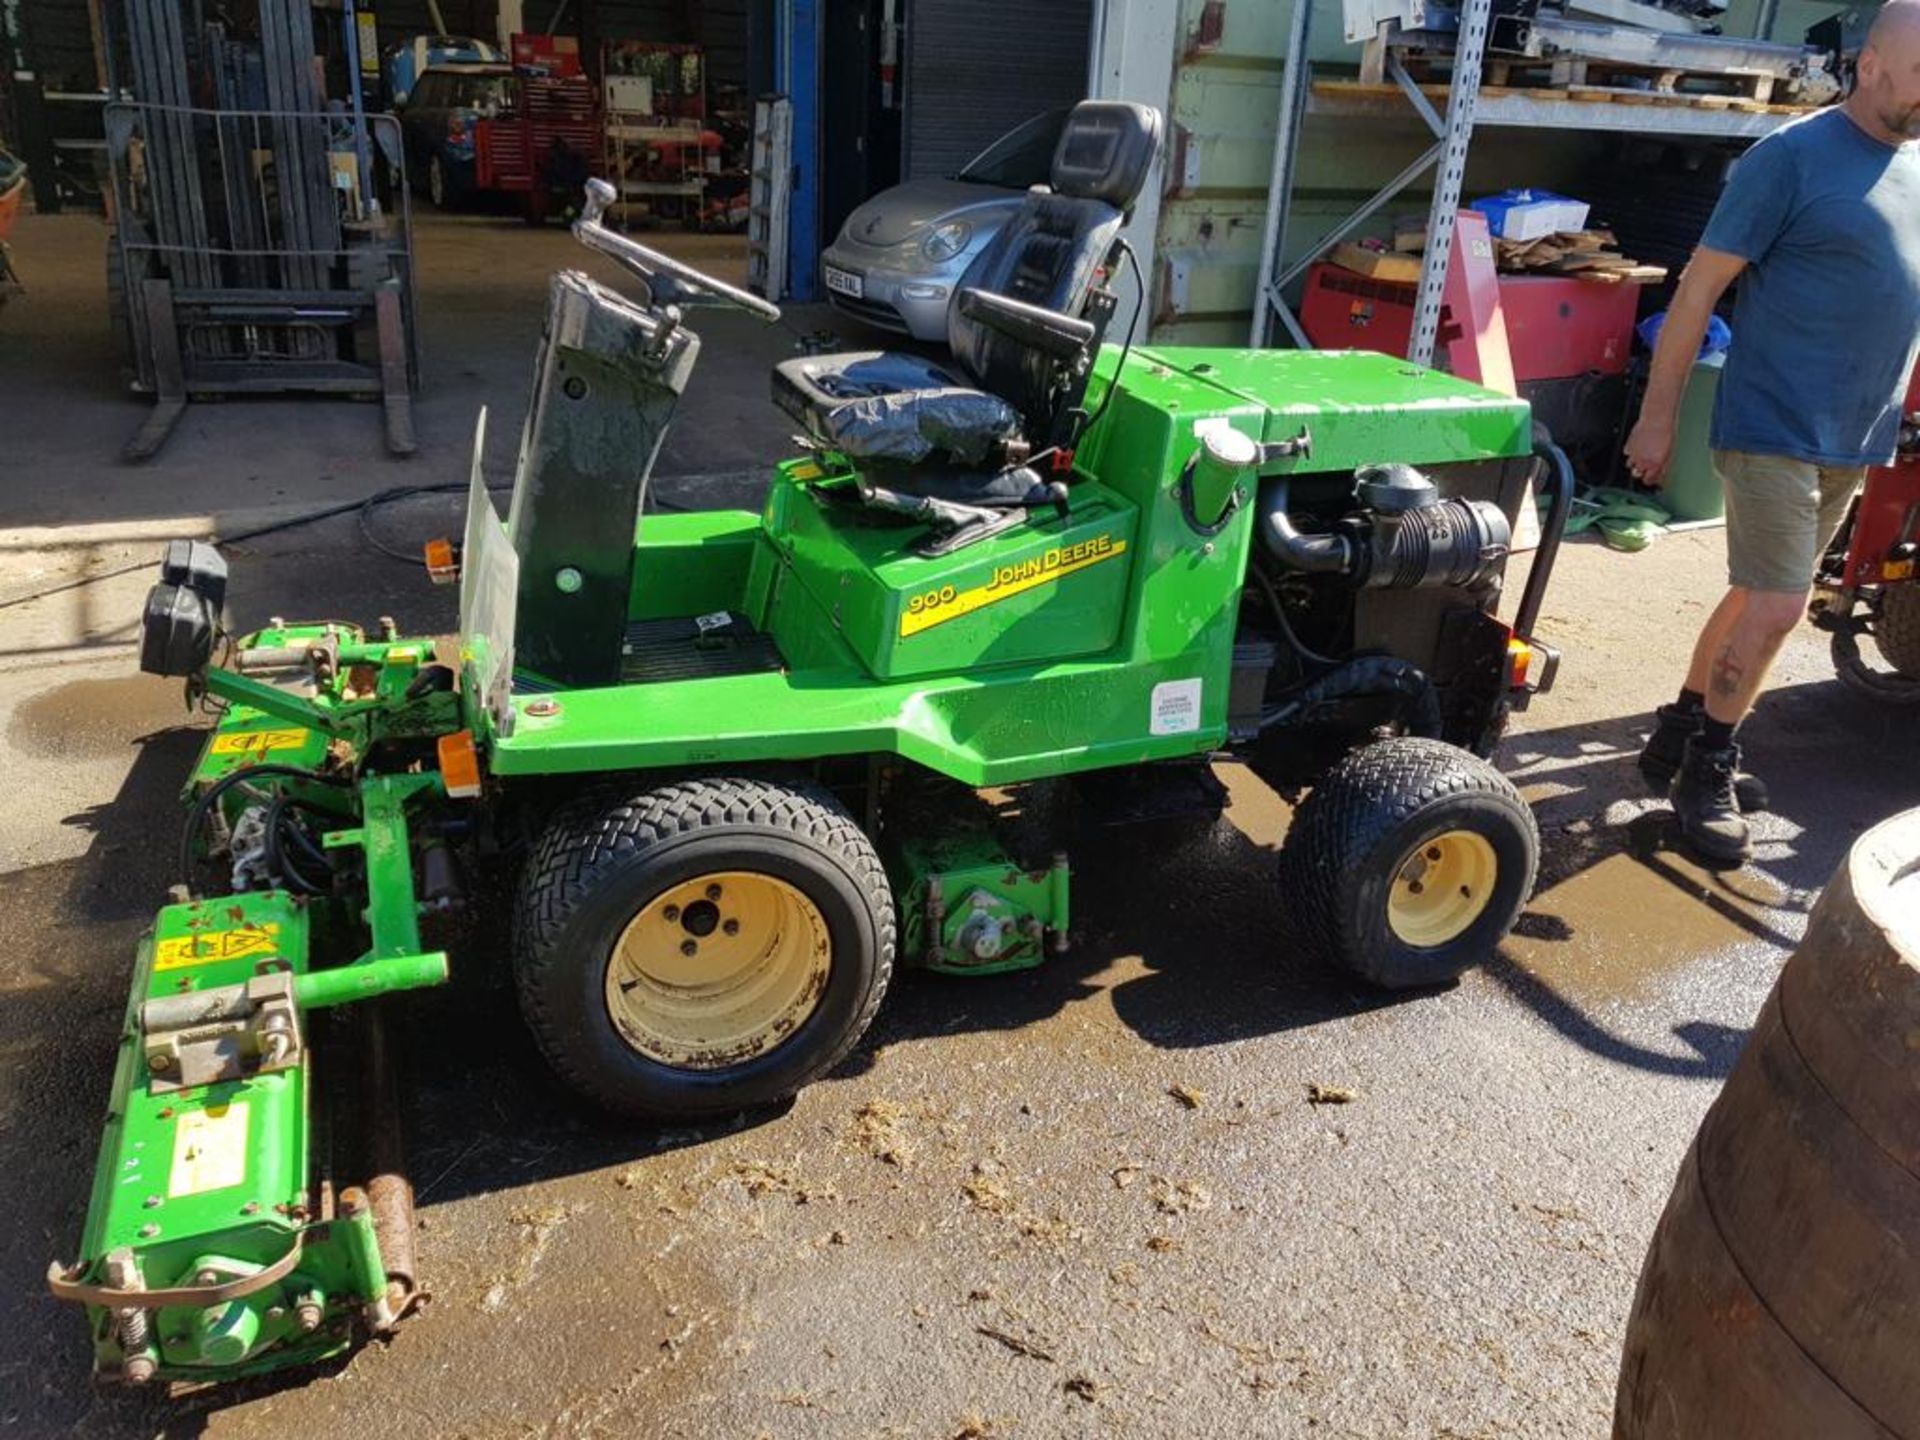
205, 946
247, 742
1176, 707
209, 1150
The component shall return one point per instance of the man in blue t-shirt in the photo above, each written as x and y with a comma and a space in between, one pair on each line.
1821, 223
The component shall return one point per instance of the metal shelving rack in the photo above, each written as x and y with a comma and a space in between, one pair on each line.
1452, 133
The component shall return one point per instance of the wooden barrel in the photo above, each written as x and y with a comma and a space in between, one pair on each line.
1781, 1294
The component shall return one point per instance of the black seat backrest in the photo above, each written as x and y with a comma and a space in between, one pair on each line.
1048, 252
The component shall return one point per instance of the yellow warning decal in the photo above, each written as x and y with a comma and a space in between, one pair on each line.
207, 946
936, 607
246, 742
209, 1150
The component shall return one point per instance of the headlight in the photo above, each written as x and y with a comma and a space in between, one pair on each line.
947, 240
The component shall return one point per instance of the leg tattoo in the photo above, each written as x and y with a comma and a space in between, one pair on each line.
1728, 673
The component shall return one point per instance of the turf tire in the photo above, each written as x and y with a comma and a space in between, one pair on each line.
1897, 631
605, 855
1360, 823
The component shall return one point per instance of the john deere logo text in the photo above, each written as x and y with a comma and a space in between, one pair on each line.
935, 607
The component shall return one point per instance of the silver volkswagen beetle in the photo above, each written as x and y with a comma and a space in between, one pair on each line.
900, 256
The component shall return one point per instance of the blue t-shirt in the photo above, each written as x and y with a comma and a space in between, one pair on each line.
1826, 325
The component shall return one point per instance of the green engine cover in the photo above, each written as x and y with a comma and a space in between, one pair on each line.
1052, 588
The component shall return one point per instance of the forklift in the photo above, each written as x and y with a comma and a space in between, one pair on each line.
738, 767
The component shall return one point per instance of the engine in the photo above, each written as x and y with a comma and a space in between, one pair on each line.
1402, 536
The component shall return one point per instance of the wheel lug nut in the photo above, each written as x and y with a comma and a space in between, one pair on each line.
732, 927
687, 947
1415, 886
672, 912
713, 892
1433, 852
1466, 893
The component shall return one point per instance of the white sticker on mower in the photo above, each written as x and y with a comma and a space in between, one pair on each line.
209, 1150
1176, 707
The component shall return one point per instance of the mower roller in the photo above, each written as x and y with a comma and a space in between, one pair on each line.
738, 766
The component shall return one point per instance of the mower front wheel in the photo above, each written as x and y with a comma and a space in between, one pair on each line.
1897, 632
1412, 859
708, 946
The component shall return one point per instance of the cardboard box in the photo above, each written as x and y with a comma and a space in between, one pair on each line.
1376, 264
1531, 214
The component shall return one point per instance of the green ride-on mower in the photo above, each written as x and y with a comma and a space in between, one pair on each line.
740, 766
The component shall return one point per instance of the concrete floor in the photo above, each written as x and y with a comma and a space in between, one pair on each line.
995, 1219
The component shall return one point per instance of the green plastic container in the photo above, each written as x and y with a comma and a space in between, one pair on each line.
1693, 491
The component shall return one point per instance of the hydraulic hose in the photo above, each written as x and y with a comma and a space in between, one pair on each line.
1368, 676
1552, 458
1315, 554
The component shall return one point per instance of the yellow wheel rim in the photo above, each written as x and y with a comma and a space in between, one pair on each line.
1442, 886
718, 970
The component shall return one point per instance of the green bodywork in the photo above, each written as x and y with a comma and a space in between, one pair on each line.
1097, 634
1121, 658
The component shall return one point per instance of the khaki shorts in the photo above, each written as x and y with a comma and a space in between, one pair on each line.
1781, 515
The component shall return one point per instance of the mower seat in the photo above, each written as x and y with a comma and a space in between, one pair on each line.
1003, 393
885, 406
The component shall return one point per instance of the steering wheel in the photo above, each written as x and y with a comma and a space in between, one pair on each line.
651, 265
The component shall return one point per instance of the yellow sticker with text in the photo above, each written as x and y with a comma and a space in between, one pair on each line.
936, 607
247, 742
206, 946
209, 1150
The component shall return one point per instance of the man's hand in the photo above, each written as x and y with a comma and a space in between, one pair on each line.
1650, 446
1650, 450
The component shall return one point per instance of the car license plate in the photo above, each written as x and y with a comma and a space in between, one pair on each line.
843, 282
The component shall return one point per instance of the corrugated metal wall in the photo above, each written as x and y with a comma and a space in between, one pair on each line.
977, 68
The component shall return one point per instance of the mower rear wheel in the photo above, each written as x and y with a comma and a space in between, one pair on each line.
1411, 859
1897, 631
708, 946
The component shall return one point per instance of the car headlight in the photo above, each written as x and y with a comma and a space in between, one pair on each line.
947, 240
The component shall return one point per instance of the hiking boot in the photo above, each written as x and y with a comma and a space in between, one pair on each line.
1661, 756
1705, 804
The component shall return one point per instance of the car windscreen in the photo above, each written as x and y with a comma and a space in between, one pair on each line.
1021, 157
486, 94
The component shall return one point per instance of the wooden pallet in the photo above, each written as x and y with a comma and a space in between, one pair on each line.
1586, 94
1579, 78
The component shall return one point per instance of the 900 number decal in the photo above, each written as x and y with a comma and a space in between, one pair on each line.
935, 607
930, 600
